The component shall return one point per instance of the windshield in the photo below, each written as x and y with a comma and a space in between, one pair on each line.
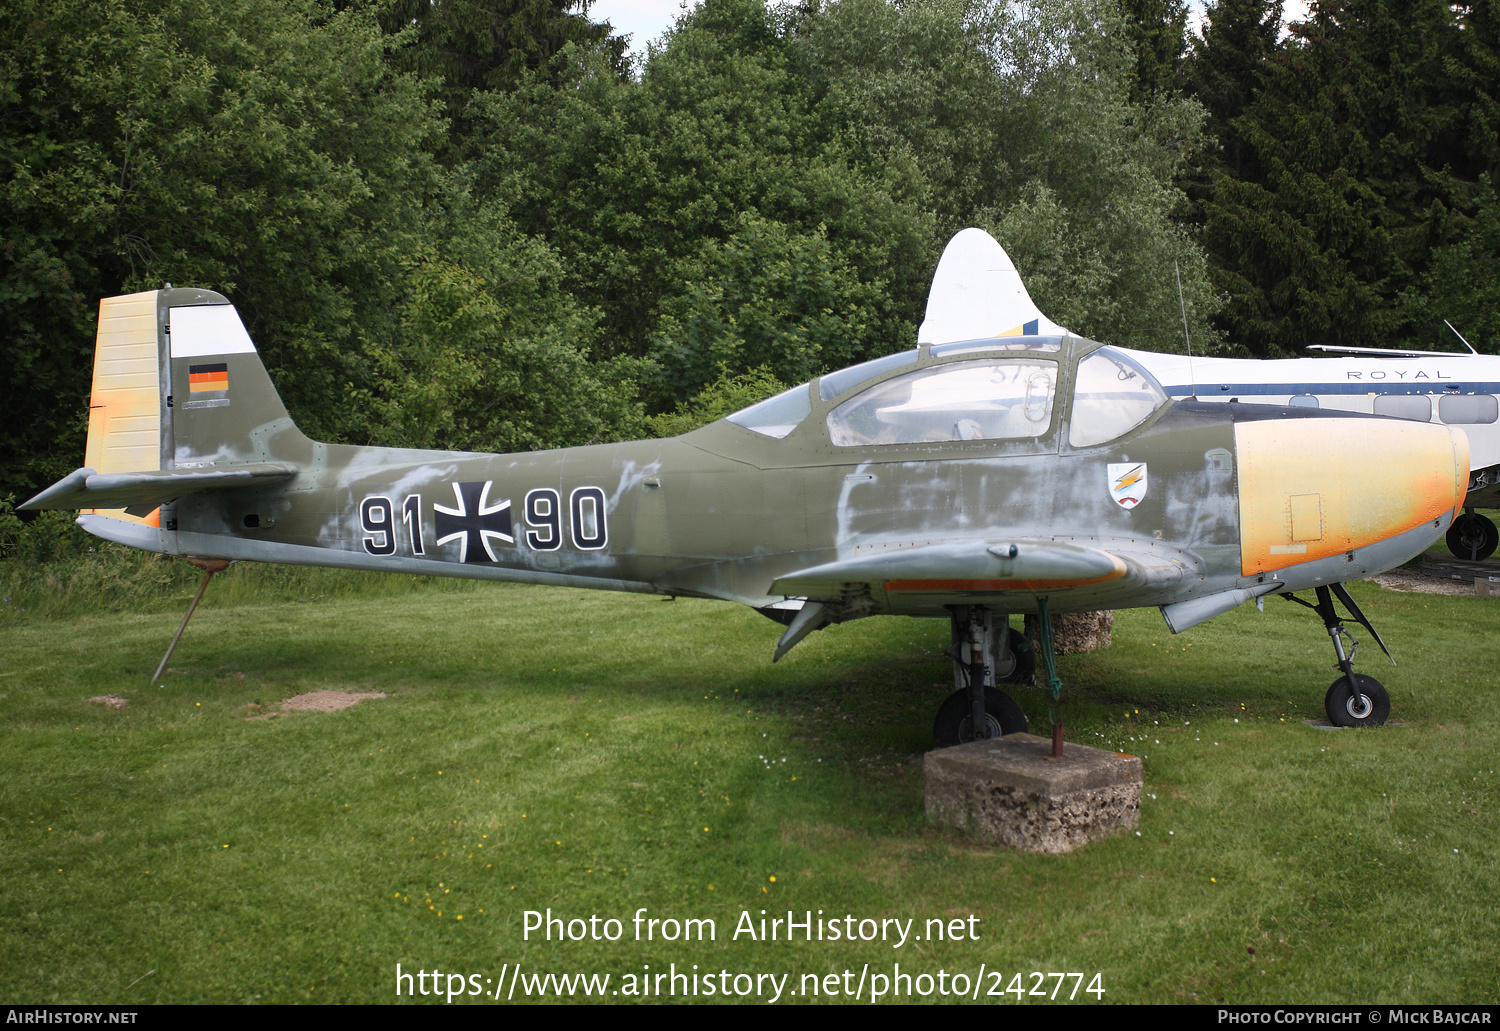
776, 416
1112, 395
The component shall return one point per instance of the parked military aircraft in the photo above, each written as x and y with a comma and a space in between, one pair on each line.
1002, 466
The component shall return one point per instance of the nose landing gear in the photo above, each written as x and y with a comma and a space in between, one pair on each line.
1366, 704
1354, 699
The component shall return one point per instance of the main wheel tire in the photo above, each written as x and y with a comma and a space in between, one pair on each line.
1473, 537
1025, 665
1367, 705
955, 720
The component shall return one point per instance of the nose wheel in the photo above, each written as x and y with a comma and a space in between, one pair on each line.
1354, 699
1366, 704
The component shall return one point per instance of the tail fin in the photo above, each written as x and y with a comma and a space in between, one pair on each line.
221, 404
977, 293
180, 403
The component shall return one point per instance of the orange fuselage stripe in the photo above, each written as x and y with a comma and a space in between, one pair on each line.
998, 585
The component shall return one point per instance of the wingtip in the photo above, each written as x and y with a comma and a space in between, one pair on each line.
70, 483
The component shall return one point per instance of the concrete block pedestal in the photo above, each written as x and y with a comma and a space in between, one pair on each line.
1012, 792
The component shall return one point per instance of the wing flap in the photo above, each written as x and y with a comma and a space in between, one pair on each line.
85, 488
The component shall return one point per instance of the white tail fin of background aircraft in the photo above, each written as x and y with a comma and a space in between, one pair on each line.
977, 292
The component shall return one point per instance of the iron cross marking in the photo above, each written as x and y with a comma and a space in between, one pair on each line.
474, 523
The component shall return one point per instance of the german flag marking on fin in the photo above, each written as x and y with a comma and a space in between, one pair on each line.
206, 378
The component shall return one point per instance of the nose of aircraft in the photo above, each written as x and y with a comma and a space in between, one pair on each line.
1313, 488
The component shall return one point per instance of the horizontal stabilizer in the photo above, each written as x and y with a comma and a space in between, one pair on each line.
967, 566
85, 488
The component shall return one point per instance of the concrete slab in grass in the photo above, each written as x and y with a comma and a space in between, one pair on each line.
1012, 792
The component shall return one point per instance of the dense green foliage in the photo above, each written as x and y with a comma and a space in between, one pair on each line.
464, 225
474, 225
466, 47
1352, 155
266, 149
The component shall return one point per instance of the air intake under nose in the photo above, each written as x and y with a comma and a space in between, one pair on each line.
1311, 488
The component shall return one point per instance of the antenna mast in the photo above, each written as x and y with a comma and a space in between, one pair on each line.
1193, 380
1460, 336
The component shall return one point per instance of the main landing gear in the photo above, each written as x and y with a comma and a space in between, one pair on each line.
1354, 699
985, 652
1473, 537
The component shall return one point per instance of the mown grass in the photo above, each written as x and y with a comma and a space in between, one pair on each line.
598, 754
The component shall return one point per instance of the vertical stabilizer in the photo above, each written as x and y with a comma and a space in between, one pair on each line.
224, 408
977, 293
179, 397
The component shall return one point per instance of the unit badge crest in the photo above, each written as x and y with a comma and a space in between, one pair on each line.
1127, 483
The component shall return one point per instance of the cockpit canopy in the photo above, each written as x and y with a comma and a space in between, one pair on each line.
1002, 396
977, 400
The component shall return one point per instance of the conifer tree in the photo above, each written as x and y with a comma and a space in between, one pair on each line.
1157, 30
1353, 156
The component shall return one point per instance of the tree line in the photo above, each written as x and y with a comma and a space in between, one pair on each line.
475, 224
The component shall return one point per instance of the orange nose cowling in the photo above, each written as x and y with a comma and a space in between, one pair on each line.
1311, 488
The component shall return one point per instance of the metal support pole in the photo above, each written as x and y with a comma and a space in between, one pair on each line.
209, 567
1054, 682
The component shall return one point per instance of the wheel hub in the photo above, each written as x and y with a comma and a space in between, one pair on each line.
966, 728
1359, 706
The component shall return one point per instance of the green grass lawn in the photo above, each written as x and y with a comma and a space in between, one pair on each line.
599, 754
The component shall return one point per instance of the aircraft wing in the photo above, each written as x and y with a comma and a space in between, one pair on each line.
85, 488
966, 568
1092, 575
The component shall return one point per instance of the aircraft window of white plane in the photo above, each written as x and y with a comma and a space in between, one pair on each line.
997, 344
1303, 401
1112, 395
998, 400
776, 416
835, 383
1468, 408
1416, 407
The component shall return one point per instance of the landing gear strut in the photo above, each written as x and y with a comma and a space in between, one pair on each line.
985, 651
1354, 699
